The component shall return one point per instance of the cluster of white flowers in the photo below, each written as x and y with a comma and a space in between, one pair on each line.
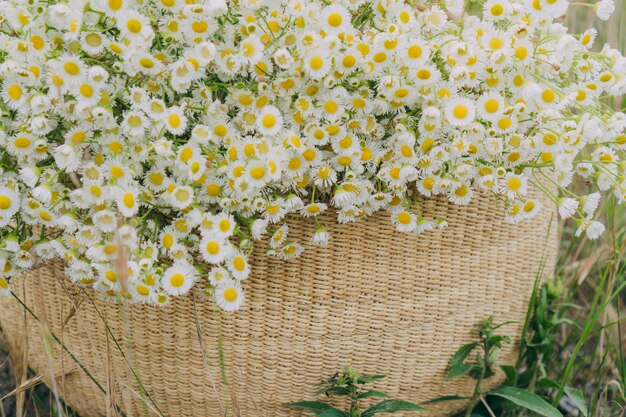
149, 143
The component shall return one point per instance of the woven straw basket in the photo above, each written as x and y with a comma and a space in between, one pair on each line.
379, 300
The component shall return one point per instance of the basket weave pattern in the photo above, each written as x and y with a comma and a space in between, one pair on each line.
379, 300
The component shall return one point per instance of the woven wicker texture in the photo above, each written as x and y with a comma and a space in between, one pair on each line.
382, 301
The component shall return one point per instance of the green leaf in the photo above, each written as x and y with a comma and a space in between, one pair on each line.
457, 364
527, 399
497, 340
364, 379
578, 399
372, 393
334, 413
334, 391
460, 369
547, 383
317, 407
462, 354
391, 406
446, 398
510, 372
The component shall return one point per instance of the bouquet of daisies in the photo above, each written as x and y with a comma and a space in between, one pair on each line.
149, 143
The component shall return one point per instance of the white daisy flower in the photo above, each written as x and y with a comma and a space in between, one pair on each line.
237, 264
258, 228
14, 94
181, 197
335, 19
251, 50
605, 9
269, 121
590, 203
321, 237
313, 209
178, 278
175, 120
461, 195
290, 251
9, 205
5, 288
460, 111
218, 274
279, 236
531, 208
215, 249
404, 221
229, 295
567, 207
515, 185
224, 225
317, 63
127, 202
135, 26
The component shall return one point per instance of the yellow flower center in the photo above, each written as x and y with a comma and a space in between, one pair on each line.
177, 280
548, 96
213, 190
111, 276
117, 172
461, 191
316, 62
460, 111
129, 200
199, 27
22, 143
86, 90
248, 49
239, 263
404, 218
521, 52
514, 184
15, 92
344, 160
414, 51
174, 120
93, 39
181, 195
496, 43
5, 202
115, 4
257, 172
348, 61
492, 105
168, 241
335, 19
230, 294
133, 25
497, 10
95, 190
71, 68
268, 121
146, 63
423, 74
213, 248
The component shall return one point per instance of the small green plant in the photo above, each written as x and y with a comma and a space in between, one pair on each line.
479, 360
349, 384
